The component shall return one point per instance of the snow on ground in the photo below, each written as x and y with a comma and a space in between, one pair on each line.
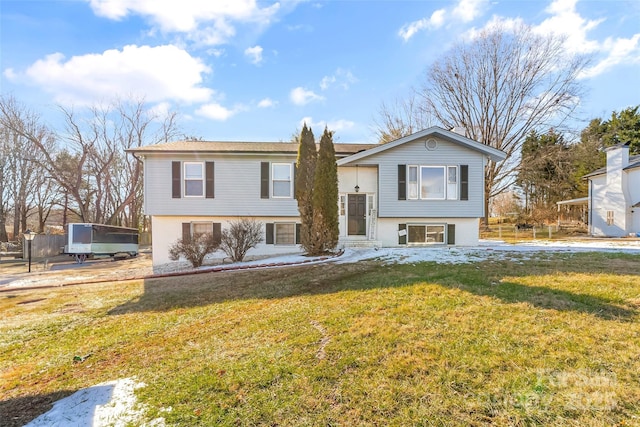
114, 403
108, 404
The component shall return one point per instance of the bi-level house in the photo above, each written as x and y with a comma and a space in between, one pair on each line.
423, 189
614, 195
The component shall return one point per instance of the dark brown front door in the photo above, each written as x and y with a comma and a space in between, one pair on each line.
357, 214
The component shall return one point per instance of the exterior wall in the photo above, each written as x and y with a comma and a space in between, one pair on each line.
467, 230
614, 193
237, 188
168, 229
415, 153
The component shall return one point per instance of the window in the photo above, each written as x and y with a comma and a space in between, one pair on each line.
281, 179
200, 228
432, 182
285, 234
609, 217
413, 182
418, 234
342, 205
190, 229
193, 179
452, 182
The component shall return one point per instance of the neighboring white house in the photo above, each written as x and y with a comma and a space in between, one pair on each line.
426, 188
614, 195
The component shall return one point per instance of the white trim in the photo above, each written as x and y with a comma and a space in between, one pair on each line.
444, 233
273, 180
185, 179
493, 153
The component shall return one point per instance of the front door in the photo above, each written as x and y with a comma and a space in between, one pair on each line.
357, 215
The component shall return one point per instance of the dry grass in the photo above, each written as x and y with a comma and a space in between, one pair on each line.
549, 341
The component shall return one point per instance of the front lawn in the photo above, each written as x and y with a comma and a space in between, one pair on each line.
552, 339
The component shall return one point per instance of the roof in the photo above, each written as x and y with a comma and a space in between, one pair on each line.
634, 162
577, 202
493, 153
239, 147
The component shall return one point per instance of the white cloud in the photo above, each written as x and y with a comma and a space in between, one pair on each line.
566, 21
218, 112
334, 125
266, 103
343, 78
208, 22
468, 10
302, 96
254, 54
621, 51
436, 20
156, 73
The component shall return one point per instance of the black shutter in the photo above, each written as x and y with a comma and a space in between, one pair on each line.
217, 232
451, 234
175, 180
298, 233
264, 180
402, 239
464, 182
209, 180
269, 233
402, 182
186, 231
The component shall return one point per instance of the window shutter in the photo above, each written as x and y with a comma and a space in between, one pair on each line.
217, 232
186, 231
464, 182
269, 233
402, 182
176, 180
264, 180
402, 239
209, 180
298, 233
451, 234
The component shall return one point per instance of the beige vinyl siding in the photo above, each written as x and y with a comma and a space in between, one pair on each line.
415, 153
237, 188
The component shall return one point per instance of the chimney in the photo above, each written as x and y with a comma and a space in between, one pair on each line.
617, 159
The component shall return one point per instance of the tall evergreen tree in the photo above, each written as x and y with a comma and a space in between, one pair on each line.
305, 175
325, 198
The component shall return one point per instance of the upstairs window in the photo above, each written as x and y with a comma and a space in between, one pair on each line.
432, 181
281, 180
193, 179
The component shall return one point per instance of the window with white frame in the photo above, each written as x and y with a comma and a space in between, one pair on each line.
281, 180
413, 182
342, 205
452, 182
425, 233
285, 233
432, 182
193, 179
610, 218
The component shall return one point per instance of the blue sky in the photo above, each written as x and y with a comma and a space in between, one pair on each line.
255, 70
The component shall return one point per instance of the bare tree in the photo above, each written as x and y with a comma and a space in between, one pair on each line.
404, 117
88, 160
500, 86
242, 235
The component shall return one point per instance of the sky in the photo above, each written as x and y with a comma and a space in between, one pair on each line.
247, 70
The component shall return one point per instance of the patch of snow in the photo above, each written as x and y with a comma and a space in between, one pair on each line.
111, 404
